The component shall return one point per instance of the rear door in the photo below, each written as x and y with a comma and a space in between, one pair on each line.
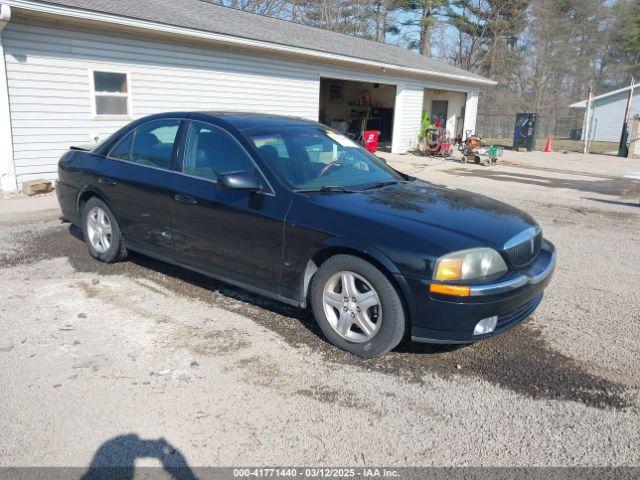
138, 180
236, 234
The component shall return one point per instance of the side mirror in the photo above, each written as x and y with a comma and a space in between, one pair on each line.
240, 181
381, 159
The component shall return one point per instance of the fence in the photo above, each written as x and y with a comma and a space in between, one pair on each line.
502, 125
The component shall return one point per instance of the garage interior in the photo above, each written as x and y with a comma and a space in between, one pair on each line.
351, 107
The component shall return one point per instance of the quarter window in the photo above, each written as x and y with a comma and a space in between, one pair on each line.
111, 93
123, 148
210, 151
153, 143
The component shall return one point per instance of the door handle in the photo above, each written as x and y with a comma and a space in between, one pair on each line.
185, 199
107, 181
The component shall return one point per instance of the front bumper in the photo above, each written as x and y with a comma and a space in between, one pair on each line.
445, 319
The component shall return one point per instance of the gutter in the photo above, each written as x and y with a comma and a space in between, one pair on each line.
36, 6
7, 165
583, 103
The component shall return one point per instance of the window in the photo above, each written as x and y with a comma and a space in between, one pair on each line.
153, 143
111, 92
316, 157
324, 151
275, 141
123, 148
210, 151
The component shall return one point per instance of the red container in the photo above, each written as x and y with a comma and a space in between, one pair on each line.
370, 140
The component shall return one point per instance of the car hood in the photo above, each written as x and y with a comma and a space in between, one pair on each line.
435, 213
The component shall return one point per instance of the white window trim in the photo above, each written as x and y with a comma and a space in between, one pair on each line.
94, 94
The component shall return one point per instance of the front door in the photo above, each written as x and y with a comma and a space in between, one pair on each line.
235, 234
440, 111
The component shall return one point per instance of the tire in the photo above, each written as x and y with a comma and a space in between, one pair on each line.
387, 317
101, 233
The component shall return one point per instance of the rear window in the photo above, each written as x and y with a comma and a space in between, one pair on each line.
153, 143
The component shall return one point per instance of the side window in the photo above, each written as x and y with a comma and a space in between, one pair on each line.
123, 148
153, 143
210, 151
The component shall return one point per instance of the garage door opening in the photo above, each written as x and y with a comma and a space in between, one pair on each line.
446, 108
351, 107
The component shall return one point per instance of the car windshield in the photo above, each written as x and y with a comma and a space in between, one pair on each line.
313, 158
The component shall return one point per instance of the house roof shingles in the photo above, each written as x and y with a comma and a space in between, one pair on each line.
208, 17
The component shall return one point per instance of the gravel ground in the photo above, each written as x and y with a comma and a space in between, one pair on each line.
102, 363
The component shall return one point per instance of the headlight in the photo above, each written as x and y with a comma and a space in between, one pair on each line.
469, 264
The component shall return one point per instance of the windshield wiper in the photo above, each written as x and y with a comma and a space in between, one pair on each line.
381, 184
325, 188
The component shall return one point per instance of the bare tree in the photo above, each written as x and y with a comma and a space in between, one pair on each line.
272, 8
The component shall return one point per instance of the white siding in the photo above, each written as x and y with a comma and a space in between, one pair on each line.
49, 87
608, 115
48, 67
471, 113
409, 99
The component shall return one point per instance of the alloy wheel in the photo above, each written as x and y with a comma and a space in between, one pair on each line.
352, 307
99, 230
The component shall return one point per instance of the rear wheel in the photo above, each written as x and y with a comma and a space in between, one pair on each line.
101, 232
357, 307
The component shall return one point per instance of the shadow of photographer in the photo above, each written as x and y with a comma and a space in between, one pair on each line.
115, 459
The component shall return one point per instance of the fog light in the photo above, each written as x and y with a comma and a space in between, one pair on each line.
485, 326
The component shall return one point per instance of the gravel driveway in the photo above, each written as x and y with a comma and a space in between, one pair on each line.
98, 361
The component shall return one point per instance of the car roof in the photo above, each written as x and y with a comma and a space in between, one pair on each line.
246, 120
242, 121
239, 120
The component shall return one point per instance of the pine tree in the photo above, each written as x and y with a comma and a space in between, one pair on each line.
423, 16
624, 52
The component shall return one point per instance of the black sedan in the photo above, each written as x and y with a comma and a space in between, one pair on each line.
292, 210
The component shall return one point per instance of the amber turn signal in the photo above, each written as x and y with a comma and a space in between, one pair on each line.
456, 290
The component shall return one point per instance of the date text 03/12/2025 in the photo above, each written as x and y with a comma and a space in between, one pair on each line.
315, 473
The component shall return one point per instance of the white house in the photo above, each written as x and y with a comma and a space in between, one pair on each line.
607, 114
74, 71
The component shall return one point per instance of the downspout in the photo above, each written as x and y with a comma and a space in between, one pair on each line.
7, 166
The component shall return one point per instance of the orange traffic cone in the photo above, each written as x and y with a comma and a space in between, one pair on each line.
547, 147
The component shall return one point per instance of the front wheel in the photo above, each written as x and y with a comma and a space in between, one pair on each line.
102, 233
357, 307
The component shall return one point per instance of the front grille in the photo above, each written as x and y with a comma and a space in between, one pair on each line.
525, 252
523, 312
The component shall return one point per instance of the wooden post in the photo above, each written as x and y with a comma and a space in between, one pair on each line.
634, 140
627, 113
587, 122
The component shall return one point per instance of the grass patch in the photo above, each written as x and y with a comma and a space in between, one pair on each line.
558, 145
